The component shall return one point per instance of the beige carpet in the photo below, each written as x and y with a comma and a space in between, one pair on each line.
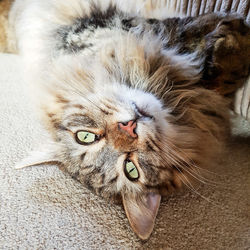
41, 208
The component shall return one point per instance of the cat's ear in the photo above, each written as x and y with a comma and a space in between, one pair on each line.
44, 156
142, 212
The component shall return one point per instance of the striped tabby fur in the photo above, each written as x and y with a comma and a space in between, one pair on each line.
100, 63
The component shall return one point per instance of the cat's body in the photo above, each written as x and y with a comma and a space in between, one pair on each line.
126, 108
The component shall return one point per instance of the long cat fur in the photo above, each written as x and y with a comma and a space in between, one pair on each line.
93, 64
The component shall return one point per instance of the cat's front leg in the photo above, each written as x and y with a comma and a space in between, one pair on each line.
242, 100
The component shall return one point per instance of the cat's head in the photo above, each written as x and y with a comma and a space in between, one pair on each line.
129, 133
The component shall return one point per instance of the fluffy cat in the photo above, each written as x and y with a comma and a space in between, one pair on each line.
123, 94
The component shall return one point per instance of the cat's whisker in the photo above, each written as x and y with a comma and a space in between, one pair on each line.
191, 187
201, 179
208, 171
199, 194
178, 162
192, 162
197, 177
214, 184
189, 168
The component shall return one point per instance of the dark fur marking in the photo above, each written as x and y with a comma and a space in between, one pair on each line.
106, 112
100, 18
158, 129
152, 186
158, 186
99, 190
164, 168
50, 115
66, 44
79, 106
61, 99
152, 21
88, 166
150, 147
211, 113
152, 141
113, 180
99, 168
156, 25
229, 82
127, 24
173, 184
103, 178
79, 119
75, 175
55, 123
151, 172
88, 183
62, 128
82, 156
97, 19
110, 107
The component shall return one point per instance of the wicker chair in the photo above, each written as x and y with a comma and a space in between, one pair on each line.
198, 7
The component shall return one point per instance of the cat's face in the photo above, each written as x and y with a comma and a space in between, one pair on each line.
116, 141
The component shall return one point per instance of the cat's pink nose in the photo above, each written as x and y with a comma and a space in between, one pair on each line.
129, 127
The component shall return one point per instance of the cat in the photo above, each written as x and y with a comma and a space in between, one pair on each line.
123, 93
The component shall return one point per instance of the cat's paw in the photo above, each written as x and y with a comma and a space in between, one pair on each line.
242, 101
229, 52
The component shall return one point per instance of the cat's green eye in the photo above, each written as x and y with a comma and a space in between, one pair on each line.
85, 137
131, 171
